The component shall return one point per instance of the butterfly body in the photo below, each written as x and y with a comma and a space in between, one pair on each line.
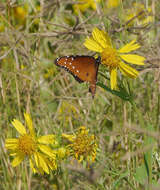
83, 68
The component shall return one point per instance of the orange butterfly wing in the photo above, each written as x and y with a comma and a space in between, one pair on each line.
83, 68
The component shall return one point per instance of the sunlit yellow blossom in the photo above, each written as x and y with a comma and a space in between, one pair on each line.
49, 73
20, 14
83, 146
41, 157
113, 3
114, 59
82, 5
142, 15
61, 153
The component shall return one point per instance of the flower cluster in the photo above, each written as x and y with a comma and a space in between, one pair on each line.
83, 5
83, 146
43, 158
142, 15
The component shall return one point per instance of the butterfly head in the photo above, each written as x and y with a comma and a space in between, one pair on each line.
98, 60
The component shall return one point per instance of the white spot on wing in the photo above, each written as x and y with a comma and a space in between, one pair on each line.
73, 67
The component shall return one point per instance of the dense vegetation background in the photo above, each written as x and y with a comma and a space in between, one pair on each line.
32, 35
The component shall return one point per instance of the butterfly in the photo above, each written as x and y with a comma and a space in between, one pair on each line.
83, 68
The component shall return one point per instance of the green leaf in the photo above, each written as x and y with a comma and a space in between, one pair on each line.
144, 172
141, 174
149, 142
123, 94
118, 181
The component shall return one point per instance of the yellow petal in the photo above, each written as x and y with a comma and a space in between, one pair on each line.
13, 154
17, 160
93, 6
42, 163
61, 152
11, 141
52, 164
69, 137
134, 59
80, 7
36, 159
46, 150
128, 71
129, 47
81, 158
11, 144
91, 44
32, 166
19, 127
47, 139
101, 37
113, 3
29, 123
147, 20
113, 78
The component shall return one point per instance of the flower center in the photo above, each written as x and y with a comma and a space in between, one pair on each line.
110, 57
83, 145
26, 145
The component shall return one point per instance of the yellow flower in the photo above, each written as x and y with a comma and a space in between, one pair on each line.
20, 14
49, 72
41, 157
143, 15
83, 146
113, 3
84, 4
114, 59
61, 153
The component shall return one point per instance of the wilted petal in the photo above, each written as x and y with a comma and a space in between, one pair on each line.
52, 164
134, 59
19, 127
